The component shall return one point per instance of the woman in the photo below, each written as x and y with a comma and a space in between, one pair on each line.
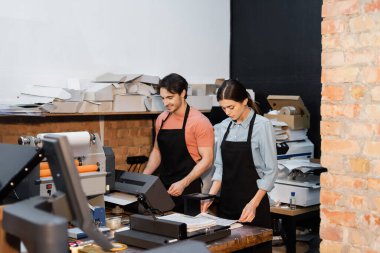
245, 162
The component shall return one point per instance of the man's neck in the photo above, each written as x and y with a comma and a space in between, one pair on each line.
181, 111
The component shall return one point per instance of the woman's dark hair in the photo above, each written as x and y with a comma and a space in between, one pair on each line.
174, 83
233, 90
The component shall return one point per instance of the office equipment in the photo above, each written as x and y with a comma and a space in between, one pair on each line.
192, 202
47, 217
98, 215
16, 164
89, 153
295, 149
147, 232
148, 188
300, 176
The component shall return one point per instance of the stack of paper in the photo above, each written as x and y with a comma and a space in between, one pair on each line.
280, 128
201, 221
193, 223
296, 135
284, 133
219, 221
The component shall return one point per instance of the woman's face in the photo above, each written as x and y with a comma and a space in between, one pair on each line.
237, 111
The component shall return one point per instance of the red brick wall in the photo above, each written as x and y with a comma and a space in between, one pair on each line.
128, 135
350, 128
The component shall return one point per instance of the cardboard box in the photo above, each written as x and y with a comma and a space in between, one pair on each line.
296, 121
200, 102
154, 103
87, 106
147, 79
219, 81
129, 103
99, 92
203, 89
61, 107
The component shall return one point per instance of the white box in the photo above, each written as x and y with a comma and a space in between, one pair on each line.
61, 107
200, 102
129, 103
86, 107
154, 103
99, 92
203, 89
147, 79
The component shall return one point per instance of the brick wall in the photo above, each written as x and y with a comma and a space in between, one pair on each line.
350, 128
128, 135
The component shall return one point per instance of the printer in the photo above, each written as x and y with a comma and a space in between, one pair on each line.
299, 149
90, 158
300, 176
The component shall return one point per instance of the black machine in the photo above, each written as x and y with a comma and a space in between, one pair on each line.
149, 190
44, 217
17, 170
149, 232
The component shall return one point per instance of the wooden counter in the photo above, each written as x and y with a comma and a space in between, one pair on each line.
240, 238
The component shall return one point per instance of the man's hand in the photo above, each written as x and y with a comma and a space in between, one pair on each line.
249, 213
177, 188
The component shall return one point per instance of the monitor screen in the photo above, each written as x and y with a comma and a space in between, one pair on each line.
66, 179
16, 163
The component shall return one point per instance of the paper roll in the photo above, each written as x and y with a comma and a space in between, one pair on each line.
79, 141
46, 172
288, 110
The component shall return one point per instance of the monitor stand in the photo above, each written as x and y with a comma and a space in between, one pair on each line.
33, 222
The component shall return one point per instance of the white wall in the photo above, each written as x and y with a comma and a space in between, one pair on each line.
49, 41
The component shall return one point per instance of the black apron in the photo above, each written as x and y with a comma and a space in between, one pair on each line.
239, 183
176, 161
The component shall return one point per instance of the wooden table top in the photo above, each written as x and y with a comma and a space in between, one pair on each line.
299, 210
240, 238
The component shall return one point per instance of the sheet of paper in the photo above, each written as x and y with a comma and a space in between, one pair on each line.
298, 164
120, 198
193, 223
46, 91
218, 220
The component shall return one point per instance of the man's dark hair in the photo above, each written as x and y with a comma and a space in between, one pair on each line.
174, 83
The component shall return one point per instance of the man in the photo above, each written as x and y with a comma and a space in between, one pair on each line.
184, 143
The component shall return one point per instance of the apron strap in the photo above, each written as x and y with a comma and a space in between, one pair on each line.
186, 116
250, 128
184, 120
163, 121
249, 132
227, 132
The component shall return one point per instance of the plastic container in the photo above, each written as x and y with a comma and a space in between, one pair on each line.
292, 201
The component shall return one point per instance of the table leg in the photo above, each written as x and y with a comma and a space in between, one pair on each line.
289, 224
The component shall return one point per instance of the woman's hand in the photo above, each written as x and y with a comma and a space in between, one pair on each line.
205, 204
248, 213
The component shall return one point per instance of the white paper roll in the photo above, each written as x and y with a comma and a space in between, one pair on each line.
288, 110
79, 141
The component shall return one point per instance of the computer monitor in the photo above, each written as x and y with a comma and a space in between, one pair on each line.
66, 179
32, 218
17, 164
